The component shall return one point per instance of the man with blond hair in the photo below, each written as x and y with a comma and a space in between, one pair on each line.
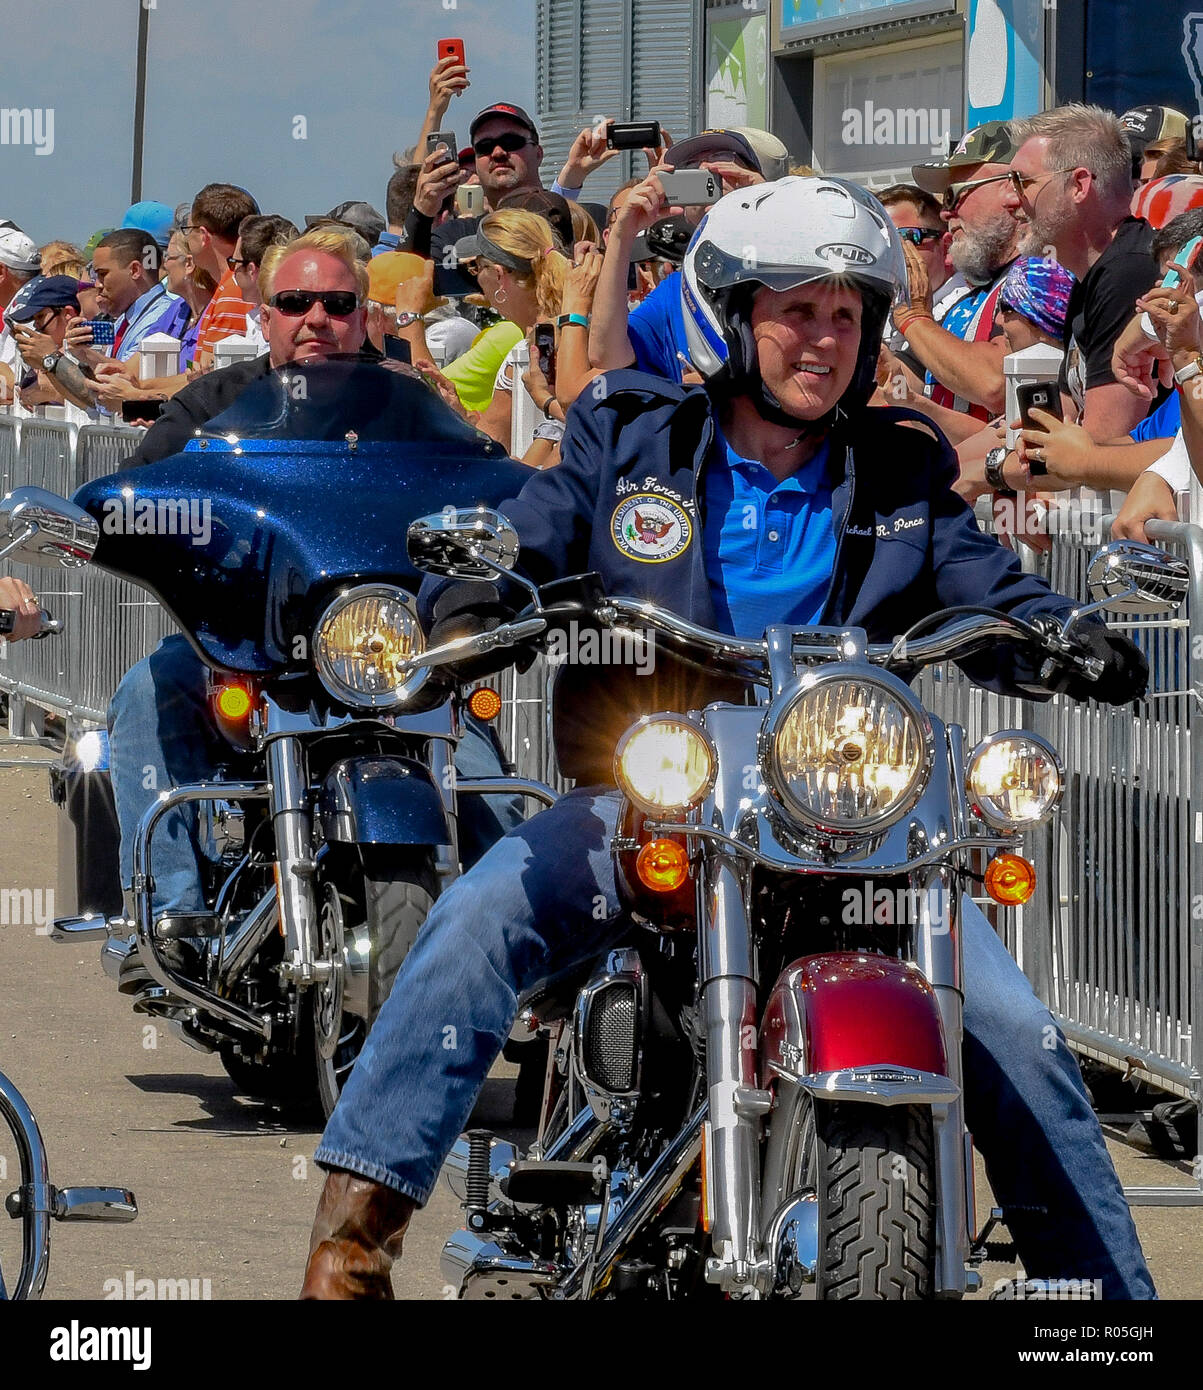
314, 309
322, 261
1069, 192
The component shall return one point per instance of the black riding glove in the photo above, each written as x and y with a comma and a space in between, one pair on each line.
1125, 673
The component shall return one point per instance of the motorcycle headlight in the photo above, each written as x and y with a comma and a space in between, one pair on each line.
358, 641
1014, 779
664, 763
847, 754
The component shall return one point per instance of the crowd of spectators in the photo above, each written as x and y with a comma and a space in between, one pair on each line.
1053, 232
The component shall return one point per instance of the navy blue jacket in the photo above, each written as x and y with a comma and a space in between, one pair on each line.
625, 501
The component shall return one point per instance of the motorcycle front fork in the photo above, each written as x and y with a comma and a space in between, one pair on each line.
295, 869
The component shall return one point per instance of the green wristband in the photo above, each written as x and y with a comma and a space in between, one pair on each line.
581, 320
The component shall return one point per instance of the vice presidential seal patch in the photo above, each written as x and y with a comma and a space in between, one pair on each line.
650, 529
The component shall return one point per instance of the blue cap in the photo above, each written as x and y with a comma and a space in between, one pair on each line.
42, 292
155, 218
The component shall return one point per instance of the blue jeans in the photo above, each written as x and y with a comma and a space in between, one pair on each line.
544, 898
162, 735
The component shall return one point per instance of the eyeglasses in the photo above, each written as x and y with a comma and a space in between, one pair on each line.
918, 235
1020, 182
956, 191
294, 303
233, 262
511, 142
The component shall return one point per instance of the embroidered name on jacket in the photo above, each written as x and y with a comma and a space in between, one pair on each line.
902, 523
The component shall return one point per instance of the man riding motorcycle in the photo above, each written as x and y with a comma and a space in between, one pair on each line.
162, 730
774, 495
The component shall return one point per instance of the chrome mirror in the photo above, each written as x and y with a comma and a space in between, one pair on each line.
463, 543
1128, 577
40, 528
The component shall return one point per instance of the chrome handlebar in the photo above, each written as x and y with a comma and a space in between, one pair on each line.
957, 638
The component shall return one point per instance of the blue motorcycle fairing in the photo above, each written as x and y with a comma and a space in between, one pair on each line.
381, 801
307, 483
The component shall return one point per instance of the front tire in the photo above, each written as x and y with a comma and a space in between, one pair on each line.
390, 901
873, 1169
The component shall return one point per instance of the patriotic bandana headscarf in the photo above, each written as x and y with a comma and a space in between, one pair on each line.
1039, 290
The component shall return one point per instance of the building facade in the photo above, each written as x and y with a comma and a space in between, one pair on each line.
863, 88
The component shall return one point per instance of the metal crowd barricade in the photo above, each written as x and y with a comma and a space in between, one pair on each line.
1113, 938
109, 624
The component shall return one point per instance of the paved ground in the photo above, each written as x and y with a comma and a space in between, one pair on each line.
226, 1188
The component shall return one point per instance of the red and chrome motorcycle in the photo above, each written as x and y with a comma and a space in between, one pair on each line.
759, 1093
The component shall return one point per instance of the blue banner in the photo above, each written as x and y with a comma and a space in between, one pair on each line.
1004, 57
1140, 54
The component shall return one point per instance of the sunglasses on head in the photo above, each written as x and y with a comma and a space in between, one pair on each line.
339, 304
510, 142
918, 235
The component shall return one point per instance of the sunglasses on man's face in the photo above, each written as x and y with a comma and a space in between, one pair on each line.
235, 264
956, 191
339, 304
511, 143
918, 235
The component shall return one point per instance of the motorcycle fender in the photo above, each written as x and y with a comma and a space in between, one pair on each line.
856, 1025
381, 801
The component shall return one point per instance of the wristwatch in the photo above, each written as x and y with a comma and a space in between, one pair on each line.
994, 471
1192, 369
409, 317
50, 361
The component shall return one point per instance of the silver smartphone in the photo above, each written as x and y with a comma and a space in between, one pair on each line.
691, 187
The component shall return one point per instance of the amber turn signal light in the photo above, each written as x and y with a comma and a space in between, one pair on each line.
233, 702
662, 866
485, 703
1010, 880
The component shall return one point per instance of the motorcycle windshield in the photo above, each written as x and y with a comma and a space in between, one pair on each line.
306, 484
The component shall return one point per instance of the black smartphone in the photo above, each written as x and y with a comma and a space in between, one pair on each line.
397, 349
632, 135
545, 346
133, 411
443, 137
1038, 395
1194, 146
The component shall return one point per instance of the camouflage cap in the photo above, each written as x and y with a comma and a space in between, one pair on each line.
990, 143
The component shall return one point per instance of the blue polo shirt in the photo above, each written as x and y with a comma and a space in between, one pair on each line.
656, 329
770, 546
1162, 423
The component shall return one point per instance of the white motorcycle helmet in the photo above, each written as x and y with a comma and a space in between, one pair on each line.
782, 235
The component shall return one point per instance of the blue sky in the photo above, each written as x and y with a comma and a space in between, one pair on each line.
227, 78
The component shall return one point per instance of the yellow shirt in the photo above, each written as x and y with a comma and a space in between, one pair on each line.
474, 373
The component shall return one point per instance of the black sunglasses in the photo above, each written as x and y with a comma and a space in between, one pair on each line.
918, 235
337, 303
510, 142
233, 262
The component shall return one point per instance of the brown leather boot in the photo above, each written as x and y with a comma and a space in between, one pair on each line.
357, 1235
